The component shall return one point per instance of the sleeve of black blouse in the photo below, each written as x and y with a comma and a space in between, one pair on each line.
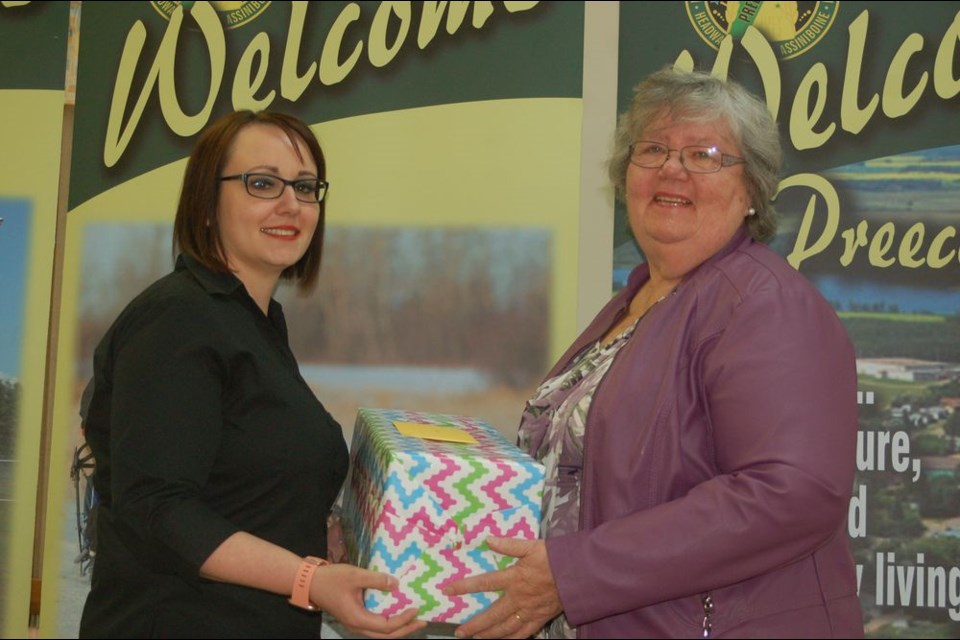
166, 428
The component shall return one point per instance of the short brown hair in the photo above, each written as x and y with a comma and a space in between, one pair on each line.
196, 230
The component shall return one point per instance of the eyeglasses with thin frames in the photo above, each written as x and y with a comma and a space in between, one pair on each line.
269, 187
694, 158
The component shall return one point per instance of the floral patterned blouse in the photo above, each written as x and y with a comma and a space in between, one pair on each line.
551, 430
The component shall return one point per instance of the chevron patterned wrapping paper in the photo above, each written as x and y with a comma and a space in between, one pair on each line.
422, 510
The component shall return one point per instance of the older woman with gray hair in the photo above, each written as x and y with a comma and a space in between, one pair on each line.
699, 436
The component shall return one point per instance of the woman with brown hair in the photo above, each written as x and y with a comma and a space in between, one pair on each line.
216, 464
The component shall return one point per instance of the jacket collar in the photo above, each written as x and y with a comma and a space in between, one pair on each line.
601, 323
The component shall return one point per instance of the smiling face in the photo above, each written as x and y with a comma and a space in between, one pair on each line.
260, 237
675, 212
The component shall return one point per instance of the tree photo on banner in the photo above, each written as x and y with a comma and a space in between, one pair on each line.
866, 96
451, 133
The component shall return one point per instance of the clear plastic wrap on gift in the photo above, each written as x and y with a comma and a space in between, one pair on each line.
421, 506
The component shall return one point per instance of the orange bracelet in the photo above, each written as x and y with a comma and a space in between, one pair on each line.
300, 597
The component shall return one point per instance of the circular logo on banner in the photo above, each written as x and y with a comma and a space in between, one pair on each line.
232, 14
791, 28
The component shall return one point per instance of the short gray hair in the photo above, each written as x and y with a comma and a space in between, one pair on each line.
696, 96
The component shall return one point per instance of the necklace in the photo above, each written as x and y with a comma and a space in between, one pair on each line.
654, 303
632, 319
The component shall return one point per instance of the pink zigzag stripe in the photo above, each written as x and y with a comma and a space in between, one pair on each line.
432, 534
488, 522
523, 527
449, 467
401, 603
397, 534
460, 570
507, 474
387, 514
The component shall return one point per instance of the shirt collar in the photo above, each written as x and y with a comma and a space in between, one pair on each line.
224, 283
212, 281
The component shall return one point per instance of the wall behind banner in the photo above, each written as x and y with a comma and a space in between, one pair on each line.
31, 117
867, 96
466, 157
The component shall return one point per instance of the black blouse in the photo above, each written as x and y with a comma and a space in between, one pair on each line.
202, 426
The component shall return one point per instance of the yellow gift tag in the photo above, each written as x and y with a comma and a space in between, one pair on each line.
434, 432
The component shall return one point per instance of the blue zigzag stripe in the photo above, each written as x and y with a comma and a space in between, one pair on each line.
482, 559
520, 491
395, 482
422, 464
393, 563
481, 599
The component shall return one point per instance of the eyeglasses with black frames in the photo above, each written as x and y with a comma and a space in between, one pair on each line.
694, 158
270, 187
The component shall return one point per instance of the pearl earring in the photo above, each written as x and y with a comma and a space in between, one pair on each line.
751, 211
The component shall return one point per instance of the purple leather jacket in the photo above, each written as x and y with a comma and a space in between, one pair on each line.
718, 461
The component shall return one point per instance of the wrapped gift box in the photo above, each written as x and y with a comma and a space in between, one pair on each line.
421, 506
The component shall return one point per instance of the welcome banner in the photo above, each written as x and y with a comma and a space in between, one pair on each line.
452, 136
452, 132
867, 96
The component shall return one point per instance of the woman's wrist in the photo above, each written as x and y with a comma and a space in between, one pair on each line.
300, 592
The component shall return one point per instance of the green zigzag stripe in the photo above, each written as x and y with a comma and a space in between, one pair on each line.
473, 504
419, 587
503, 562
